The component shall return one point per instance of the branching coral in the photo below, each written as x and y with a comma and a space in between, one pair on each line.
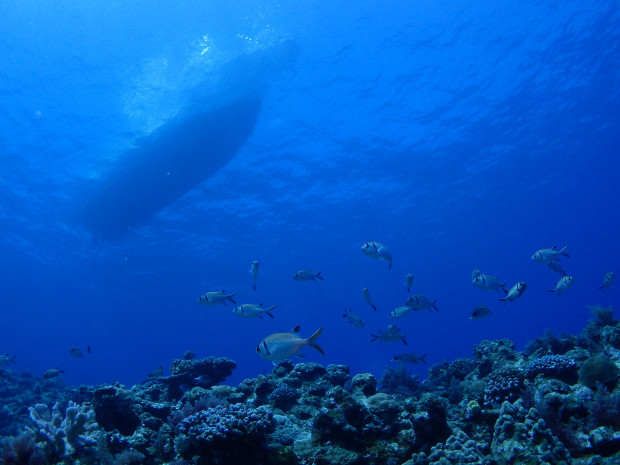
66, 435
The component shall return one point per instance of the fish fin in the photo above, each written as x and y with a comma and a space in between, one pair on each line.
254, 287
422, 358
295, 329
505, 292
269, 314
404, 340
316, 335
390, 266
374, 307
602, 287
231, 299
317, 347
318, 275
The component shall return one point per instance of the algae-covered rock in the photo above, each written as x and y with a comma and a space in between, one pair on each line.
598, 369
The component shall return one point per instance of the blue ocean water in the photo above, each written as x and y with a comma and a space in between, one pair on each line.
462, 136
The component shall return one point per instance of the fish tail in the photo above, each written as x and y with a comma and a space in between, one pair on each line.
313, 338
374, 307
390, 265
435, 306
231, 299
374, 337
563, 251
423, 358
254, 287
316, 335
404, 340
269, 314
318, 275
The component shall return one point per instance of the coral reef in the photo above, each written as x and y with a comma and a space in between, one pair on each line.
557, 402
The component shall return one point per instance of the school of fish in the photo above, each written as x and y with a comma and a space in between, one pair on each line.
280, 345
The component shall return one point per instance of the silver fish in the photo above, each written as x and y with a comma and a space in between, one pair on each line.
379, 251
283, 345
480, 312
410, 358
547, 255
563, 284
354, 318
408, 281
366, 296
392, 334
401, 311
307, 275
608, 280
253, 311
421, 302
52, 373
515, 292
488, 282
5, 359
555, 266
216, 297
254, 271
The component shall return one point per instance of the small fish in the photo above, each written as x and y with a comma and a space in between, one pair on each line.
156, 373
563, 284
489, 283
5, 359
379, 251
354, 318
214, 298
283, 345
252, 310
408, 281
76, 352
204, 380
410, 358
475, 273
52, 373
401, 311
392, 334
555, 266
548, 255
307, 275
608, 280
254, 271
421, 302
366, 296
515, 291
480, 312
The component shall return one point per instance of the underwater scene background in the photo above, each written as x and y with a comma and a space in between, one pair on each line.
150, 152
